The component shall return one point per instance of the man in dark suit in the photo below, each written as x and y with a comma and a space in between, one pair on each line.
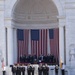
30, 69
18, 71
56, 70
21, 59
40, 58
13, 69
24, 58
40, 69
45, 70
34, 58
48, 59
23, 69
29, 58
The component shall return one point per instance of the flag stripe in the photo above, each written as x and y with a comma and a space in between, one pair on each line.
39, 46
23, 41
38, 42
54, 42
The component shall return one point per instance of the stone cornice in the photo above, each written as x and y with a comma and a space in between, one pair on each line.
35, 21
35, 26
33, 16
46, 18
9, 26
67, 2
70, 5
7, 19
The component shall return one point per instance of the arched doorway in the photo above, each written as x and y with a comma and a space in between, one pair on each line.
36, 17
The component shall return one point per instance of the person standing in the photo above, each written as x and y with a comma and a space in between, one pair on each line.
23, 69
45, 69
30, 69
40, 69
33, 70
63, 69
14, 69
56, 70
18, 71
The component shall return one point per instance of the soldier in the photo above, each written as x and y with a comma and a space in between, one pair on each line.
29, 58
45, 59
18, 71
63, 69
56, 70
23, 69
48, 59
45, 69
33, 70
13, 69
40, 69
30, 69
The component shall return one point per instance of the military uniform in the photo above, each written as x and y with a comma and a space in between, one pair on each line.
56, 70
13, 68
18, 71
45, 70
23, 70
30, 70
40, 69
63, 69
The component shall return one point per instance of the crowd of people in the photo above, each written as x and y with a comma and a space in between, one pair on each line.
43, 69
43, 62
20, 69
49, 59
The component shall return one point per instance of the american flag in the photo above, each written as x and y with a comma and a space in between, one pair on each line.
39, 42
54, 42
23, 41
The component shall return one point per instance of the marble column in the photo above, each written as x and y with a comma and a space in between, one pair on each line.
15, 45
10, 45
61, 43
48, 42
29, 46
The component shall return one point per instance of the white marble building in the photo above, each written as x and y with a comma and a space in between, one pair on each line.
36, 14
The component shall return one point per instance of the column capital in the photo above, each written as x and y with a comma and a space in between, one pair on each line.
62, 20
8, 23
10, 26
